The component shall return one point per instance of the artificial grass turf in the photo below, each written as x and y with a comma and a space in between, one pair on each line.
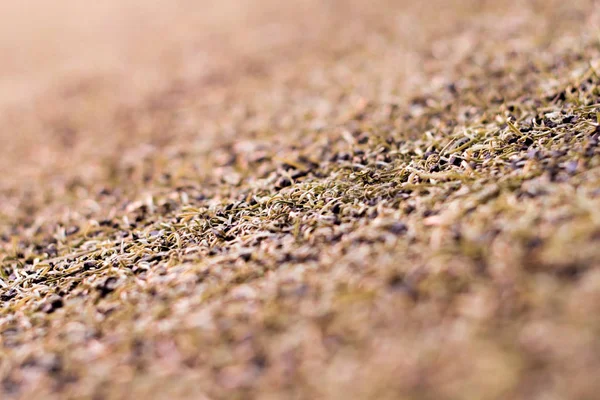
404, 205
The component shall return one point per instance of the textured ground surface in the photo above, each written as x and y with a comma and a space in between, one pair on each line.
329, 199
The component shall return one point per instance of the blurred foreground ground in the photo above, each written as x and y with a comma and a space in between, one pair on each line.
311, 199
